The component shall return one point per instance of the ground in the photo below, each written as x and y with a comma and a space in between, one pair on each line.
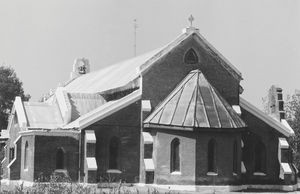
115, 189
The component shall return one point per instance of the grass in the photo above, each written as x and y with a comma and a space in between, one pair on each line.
58, 184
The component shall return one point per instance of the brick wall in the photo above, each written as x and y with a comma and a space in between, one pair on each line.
224, 158
258, 130
27, 174
161, 157
167, 73
193, 154
16, 165
45, 155
125, 124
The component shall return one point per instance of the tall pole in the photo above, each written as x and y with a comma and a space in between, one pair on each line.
135, 27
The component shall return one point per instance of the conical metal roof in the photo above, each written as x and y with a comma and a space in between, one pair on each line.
195, 104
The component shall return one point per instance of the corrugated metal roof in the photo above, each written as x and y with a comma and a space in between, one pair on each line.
104, 111
124, 75
195, 104
82, 103
111, 77
42, 115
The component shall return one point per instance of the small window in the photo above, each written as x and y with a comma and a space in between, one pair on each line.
211, 156
11, 153
60, 158
260, 157
235, 157
175, 157
280, 104
114, 147
26, 150
191, 57
279, 96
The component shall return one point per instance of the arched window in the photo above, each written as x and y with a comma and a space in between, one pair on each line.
175, 157
60, 158
26, 149
191, 57
211, 156
114, 146
260, 157
235, 157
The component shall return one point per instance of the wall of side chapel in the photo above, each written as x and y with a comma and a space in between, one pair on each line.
168, 72
45, 155
193, 157
224, 157
258, 130
125, 125
27, 174
14, 170
14, 130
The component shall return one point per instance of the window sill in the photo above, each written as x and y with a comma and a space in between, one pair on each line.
176, 173
212, 174
259, 174
234, 174
113, 171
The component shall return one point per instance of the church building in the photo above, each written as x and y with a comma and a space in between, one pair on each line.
173, 116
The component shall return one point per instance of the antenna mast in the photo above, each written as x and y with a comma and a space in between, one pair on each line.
135, 27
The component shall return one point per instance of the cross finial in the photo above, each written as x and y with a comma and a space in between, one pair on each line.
191, 19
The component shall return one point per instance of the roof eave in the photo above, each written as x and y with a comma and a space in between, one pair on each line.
104, 111
189, 128
267, 119
229, 67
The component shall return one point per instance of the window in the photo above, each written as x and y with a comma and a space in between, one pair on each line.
211, 156
191, 57
114, 145
260, 157
175, 157
60, 158
235, 157
26, 155
11, 153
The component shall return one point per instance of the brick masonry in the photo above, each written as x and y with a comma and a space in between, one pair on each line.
28, 174
166, 74
125, 125
193, 157
45, 155
258, 130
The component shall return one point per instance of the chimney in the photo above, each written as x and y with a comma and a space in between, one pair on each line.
81, 66
275, 103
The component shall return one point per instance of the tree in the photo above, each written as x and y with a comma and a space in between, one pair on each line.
10, 87
292, 109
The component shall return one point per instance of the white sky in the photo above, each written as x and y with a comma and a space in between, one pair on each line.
41, 39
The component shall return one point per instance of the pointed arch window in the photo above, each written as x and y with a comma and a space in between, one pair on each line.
26, 150
175, 156
211, 156
191, 57
260, 157
235, 157
60, 157
114, 150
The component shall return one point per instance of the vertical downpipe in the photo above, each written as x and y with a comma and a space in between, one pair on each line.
79, 157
